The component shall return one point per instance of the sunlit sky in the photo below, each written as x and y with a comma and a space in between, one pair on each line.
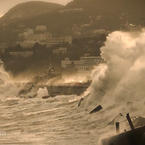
5, 5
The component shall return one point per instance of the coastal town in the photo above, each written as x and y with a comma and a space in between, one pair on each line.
72, 72
65, 53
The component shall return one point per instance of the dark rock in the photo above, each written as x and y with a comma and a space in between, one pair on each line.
80, 102
45, 97
97, 109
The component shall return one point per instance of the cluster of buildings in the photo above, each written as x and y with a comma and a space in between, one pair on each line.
40, 35
85, 64
27, 52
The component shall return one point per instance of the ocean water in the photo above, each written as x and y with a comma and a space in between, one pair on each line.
36, 121
55, 121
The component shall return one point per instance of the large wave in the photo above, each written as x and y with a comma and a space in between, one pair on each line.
121, 81
119, 84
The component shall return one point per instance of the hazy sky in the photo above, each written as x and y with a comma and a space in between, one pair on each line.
5, 5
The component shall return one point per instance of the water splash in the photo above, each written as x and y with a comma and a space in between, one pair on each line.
121, 80
119, 84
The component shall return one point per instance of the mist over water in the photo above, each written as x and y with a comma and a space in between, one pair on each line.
8, 87
118, 85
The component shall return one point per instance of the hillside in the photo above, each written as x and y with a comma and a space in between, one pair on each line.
113, 12
79, 16
110, 6
28, 10
82, 19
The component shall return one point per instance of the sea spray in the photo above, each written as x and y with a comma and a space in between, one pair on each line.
42, 92
120, 81
9, 86
119, 85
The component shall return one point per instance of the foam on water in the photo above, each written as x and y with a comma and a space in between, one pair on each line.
54, 121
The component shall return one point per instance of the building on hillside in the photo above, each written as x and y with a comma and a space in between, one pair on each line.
60, 51
44, 38
41, 28
85, 63
21, 53
67, 63
57, 40
26, 43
